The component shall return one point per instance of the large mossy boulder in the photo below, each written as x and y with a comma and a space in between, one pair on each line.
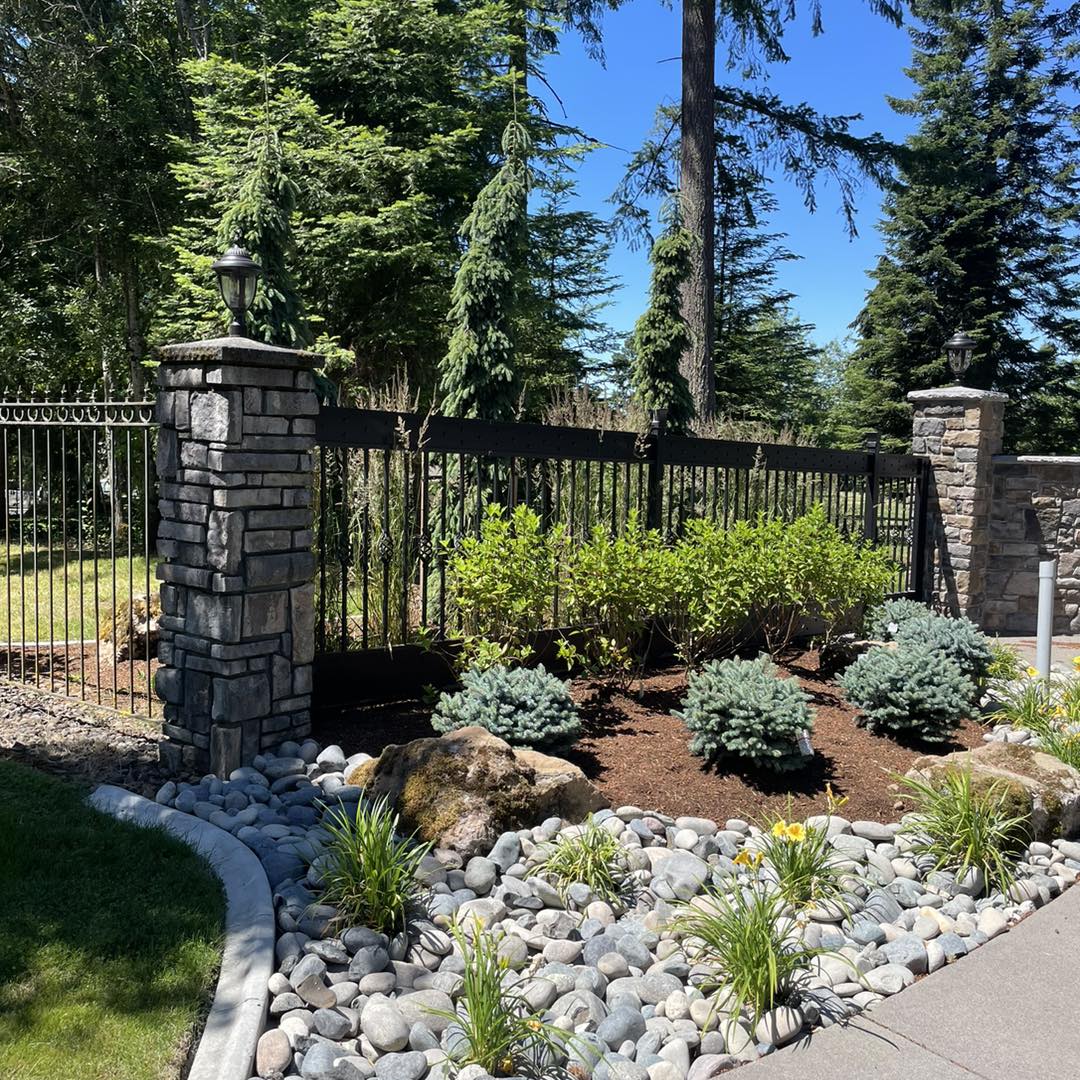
1044, 789
464, 789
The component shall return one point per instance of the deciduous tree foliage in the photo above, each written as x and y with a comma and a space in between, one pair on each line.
980, 230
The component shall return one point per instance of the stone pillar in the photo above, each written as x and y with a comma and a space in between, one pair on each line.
237, 427
959, 429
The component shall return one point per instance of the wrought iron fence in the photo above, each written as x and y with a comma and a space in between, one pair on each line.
397, 491
79, 507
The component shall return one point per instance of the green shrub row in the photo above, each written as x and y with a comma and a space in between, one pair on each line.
711, 591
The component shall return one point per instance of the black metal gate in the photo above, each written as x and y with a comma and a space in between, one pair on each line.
79, 506
395, 490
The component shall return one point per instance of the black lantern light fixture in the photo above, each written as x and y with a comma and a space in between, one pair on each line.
960, 348
238, 278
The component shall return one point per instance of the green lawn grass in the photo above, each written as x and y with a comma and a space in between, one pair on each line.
110, 939
18, 581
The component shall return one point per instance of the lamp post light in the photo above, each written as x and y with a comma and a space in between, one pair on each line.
960, 348
238, 278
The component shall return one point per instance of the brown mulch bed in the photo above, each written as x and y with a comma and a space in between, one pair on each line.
636, 752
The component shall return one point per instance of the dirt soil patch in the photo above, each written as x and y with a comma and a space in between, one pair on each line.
78, 741
636, 752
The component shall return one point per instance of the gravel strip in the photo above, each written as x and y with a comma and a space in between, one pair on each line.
78, 741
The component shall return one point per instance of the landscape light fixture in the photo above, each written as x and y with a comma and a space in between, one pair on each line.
959, 349
238, 278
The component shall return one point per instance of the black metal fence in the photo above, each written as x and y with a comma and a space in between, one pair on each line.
397, 491
79, 508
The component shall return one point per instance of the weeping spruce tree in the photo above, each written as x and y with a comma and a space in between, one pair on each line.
479, 379
661, 335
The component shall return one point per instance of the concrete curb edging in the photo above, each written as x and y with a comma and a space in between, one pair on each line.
226, 1050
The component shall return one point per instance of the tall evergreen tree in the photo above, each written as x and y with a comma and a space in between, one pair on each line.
660, 334
981, 230
480, 379
765, 362
561, 338
753, 32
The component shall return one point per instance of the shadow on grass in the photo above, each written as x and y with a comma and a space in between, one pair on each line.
110, 940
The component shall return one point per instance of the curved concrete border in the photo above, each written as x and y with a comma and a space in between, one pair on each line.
237, 1017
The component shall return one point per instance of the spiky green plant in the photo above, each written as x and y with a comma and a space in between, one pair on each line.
592, 856
749, 938
370, 874
963, 826
1024, 704
808, 869
494, 1026
1006, 664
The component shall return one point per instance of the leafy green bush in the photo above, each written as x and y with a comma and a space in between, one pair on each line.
614, 587
494, 1026
740, 709
883, 621
960, 640
748, 937
370, 874
593, 856
503, 582
911, 690
524, 706
961, 825
763, 579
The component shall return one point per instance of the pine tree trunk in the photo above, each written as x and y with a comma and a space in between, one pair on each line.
696, 190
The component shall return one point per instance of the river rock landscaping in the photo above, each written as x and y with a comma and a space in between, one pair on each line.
631, 994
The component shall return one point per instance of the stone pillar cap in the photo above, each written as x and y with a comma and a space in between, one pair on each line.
955, 393
238, 350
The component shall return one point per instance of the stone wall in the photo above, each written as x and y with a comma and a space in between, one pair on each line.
237, 627
1035, 516
992, 518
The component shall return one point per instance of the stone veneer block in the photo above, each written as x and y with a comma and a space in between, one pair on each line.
235, 483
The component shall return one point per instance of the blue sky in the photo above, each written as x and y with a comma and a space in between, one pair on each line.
848, 69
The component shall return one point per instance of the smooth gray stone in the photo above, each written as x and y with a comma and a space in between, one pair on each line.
407, 1066
620, 1025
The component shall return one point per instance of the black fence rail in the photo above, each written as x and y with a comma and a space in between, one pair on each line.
78, 502
396, 492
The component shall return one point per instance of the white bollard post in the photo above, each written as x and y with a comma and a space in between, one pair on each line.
1045, 619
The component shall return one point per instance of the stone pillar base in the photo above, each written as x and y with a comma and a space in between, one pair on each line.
237, 626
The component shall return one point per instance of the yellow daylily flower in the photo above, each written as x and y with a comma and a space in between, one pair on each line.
751, 859
1032, 672
1076, 661
795, 831
779, 828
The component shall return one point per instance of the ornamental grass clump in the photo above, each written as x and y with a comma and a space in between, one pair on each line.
964, 826
524, 706
882, 622
739, 709
805, 868
749, 938
370, 871
912, 691
494, 1027
959, 640
592, 856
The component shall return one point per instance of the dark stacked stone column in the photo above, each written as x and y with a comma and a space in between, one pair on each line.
237, 426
